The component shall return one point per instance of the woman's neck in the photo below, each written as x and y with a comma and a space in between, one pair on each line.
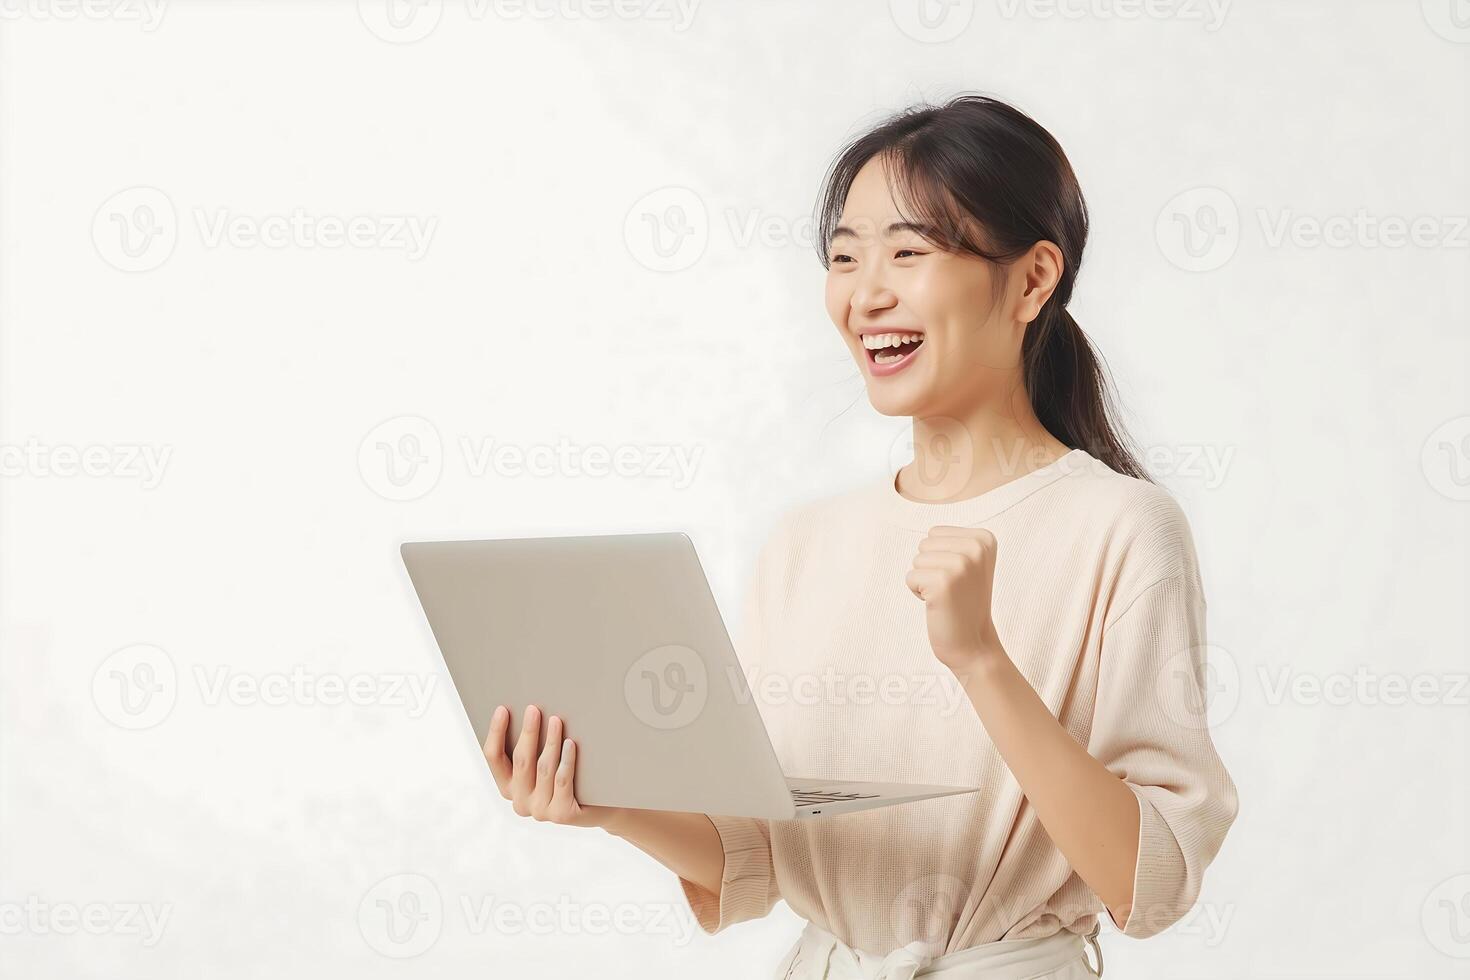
956, 458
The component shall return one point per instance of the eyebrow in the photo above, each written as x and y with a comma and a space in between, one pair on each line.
923, 231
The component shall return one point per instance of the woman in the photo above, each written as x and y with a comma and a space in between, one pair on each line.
1022, 562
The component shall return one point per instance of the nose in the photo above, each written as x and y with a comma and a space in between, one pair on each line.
871, 293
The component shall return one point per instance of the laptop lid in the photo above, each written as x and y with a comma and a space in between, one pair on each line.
620, 636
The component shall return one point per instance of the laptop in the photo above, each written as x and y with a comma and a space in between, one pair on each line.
619, 635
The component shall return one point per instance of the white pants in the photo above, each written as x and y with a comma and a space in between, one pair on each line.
819, 955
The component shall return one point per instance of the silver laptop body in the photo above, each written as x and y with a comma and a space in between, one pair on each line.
619, 635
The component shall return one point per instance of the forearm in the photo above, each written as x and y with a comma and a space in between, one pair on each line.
1087, 811
685, 843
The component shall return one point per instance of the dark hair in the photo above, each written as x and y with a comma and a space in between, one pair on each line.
985, 179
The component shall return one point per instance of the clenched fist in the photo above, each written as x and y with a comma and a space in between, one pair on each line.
954, 572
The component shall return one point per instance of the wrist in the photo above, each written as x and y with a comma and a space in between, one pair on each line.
616, 821
984, 659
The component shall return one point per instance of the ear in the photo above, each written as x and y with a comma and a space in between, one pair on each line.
1040, 269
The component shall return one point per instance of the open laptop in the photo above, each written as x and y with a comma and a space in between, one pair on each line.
620, 636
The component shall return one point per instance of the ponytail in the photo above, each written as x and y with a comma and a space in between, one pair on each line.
985, 179
1069, 390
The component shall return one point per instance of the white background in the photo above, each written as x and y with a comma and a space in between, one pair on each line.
1307, 401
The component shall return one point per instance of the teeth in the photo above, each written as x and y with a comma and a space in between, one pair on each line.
877, 341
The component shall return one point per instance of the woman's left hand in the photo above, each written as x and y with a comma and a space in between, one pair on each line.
954, 573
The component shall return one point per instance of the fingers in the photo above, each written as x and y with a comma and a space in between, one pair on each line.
926, 583
942, 560
546, 767
523, 762
951, 531
564, 806
538, 785
500, 766
974, 542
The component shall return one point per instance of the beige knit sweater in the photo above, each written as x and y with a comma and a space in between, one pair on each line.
1098, 601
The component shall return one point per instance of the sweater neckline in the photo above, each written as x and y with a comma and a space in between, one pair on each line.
921, 516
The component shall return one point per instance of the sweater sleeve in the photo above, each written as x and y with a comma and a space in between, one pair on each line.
1150, 728
748, 887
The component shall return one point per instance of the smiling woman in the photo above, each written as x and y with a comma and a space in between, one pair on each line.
1023, 554
973, 215
1054, 581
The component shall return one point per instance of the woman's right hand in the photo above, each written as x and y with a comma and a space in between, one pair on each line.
541, 786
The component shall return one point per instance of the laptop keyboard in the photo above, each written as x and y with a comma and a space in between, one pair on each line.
804, 797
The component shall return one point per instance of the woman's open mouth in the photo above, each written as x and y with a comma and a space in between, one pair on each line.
889, 353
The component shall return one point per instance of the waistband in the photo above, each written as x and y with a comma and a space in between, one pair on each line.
819, 954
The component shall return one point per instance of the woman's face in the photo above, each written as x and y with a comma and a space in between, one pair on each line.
886, 285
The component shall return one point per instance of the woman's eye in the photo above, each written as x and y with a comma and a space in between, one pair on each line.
908, 250
841, 258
